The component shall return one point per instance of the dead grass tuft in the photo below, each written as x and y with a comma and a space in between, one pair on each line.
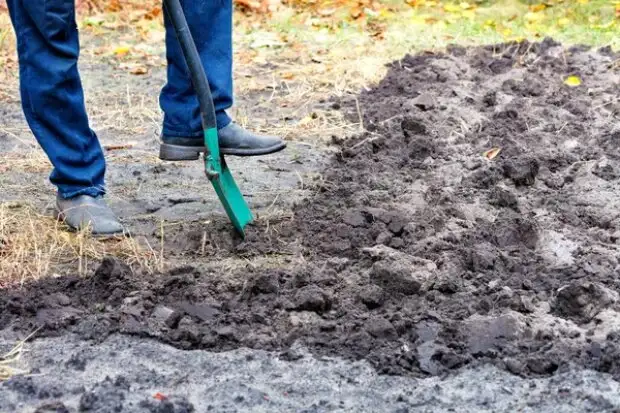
34, 245
10, 359
32, 161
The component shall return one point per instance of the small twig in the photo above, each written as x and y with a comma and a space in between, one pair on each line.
359, 114
301, 180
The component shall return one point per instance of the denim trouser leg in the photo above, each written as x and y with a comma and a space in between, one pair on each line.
52, 95
210, 22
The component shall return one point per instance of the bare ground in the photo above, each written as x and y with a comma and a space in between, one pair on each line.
405, 253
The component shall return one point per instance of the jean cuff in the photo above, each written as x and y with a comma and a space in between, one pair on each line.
68, 193
221, 118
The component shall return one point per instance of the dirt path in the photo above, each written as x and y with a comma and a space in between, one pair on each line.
408, 250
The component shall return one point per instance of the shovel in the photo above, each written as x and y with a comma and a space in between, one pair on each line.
215, 165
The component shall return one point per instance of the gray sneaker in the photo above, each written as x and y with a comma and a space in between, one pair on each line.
85, 211
233, 139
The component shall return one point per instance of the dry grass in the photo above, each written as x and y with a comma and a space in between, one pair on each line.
30, 161
9, 360
33, 246
131, 111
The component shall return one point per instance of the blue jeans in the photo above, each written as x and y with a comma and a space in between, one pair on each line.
53, 99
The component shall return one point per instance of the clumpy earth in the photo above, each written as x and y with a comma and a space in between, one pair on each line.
417, 251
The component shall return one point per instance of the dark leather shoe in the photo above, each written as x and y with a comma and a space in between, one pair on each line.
85, 211
234, 140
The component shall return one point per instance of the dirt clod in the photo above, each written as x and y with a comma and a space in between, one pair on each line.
397, 277
52, 407
582, 301
312, 298
372, 296
522, 172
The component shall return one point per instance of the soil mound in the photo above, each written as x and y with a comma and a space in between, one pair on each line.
416, 252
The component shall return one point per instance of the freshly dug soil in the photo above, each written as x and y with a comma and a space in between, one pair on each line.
416, 252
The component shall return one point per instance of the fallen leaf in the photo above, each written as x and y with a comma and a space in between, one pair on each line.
139, 70
572, 81
538, 7
326, 12
605, 26
492, 153
159, 396
153, 14
452, 8
356, 12
113, 6
121, 50
532, 17
93, 21
469, 14
564, 21
507, 31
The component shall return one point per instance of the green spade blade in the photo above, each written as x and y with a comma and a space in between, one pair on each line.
224, 184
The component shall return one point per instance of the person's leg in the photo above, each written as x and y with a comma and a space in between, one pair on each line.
52, 96
210, 22
53, 103
211, 25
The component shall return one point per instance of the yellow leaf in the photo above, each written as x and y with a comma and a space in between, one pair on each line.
532, 17
572, 81
564, 21
607, 25
465, 5
469, 14
385, 13
492, 153
583, 1
451, 8
122, 50
538, 7
419, 20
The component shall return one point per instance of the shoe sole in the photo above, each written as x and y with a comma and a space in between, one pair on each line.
168, 152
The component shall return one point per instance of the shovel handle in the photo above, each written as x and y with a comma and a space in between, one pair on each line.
192, 58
